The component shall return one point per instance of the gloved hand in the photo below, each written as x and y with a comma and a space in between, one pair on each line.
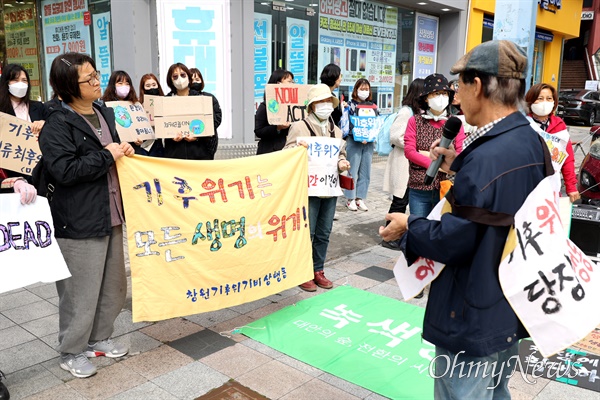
28, 192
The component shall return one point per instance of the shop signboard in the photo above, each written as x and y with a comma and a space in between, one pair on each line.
262, 55
197, 34
426, 44
102, 47
297, 49
21, 42
65, 28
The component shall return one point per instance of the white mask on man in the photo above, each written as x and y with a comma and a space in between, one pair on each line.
363, 94
542, 108
323, 110
18, 89
438, 103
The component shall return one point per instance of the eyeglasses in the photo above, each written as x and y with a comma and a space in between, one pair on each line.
94, 76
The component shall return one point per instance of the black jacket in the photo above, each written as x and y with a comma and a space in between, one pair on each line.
270, 139
202, 149
78, 167
37, 111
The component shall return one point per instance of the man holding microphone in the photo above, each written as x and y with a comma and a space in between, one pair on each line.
467, 317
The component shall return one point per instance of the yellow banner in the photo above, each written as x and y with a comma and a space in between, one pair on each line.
206, 235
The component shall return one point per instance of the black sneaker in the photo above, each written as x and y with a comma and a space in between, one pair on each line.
393, 245
4, 395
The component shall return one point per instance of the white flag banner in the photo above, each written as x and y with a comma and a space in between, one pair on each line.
413, 279
28, 250
323, 157
550, 283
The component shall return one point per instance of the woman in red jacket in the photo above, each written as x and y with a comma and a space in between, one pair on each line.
542, 101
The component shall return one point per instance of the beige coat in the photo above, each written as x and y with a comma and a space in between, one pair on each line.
395, 178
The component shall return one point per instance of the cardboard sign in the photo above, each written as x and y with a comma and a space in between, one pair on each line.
185, 115
549, 282
286, 103
19, 149
323, 157
131, 121
591, 342
28, 250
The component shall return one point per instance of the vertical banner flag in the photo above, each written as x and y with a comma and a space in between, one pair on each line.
65, 28
102, 47
426, 42
206, 235
262, 55
28, 250
360, 37
197, 35
297, 49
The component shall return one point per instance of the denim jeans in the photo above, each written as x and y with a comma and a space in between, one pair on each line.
360, 157
421, 202
458, 376
320, 216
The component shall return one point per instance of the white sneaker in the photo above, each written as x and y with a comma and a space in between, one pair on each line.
361, 205
351, 204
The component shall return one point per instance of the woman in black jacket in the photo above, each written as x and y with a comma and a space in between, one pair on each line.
80, 146
15, 90
272, 137
179, 80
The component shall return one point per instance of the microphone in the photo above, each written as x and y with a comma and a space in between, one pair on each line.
451, 128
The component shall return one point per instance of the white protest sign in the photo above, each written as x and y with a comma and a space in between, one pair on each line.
549, 282
413, 279
323, 157
557, 146
28, 250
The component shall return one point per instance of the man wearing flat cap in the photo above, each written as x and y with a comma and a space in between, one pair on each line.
468, 318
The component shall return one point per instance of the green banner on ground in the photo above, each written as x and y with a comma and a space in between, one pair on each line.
367, 339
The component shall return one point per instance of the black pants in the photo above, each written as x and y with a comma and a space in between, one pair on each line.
399, 203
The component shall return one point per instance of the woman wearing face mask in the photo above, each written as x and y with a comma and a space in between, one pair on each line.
542, 100
421, 131
332, 77
321, 210
15, 89
272, 137
179, 79
360, 152
149, 86
120, 88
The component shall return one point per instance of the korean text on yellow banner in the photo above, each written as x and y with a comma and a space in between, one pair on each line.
19, 150
549, 282
28, 250
131, 121
286, 103
206, 235
323, 156
185, 115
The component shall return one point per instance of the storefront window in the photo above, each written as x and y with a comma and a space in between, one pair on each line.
538, 61
365, 39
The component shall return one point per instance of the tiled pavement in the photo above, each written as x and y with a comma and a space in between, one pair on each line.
183, 358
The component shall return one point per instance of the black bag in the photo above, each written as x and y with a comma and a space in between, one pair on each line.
41, 180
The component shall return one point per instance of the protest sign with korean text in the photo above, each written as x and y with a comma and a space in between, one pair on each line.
206, 235
286, 102
549, 282
28, 250
19, 149
323, 157
131, 121
185, 115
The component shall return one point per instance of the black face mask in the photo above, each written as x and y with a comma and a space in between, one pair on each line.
197, 86
152, 92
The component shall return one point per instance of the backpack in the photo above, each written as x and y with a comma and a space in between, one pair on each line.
41, 180
384, 147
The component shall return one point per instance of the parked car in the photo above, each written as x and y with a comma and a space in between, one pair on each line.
588, 183
579, 105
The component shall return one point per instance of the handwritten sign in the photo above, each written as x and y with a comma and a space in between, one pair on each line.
28, 251
323, 157
286, 103
366, 128
205, 235
550, 283
186, 115
557, 146
131, 120
19, 149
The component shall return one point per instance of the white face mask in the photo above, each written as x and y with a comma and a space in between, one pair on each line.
122, 91
438, 103
323, 110
362, 94
181, 83
542, 108
18, 89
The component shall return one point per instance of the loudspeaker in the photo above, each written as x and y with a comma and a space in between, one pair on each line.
585, 228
